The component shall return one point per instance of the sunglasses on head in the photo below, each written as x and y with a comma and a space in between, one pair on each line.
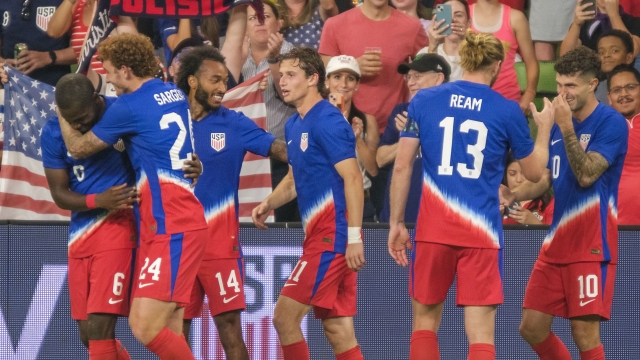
25, 13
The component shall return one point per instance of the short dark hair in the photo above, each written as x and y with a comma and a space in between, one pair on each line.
622, 68
622, 35
311, 63
580, 61
74, 92
190, 64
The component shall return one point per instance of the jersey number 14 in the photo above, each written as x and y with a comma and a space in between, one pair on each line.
475, 150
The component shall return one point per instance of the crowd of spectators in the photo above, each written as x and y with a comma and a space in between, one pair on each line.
378, 54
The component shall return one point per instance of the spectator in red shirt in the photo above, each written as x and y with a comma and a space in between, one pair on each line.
531, 212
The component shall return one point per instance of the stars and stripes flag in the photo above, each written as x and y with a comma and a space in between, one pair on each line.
24, 192
255, 176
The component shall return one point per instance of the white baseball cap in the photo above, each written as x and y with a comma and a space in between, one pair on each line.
343, 62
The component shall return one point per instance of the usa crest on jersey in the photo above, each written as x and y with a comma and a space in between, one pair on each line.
217, 141
44, 14
584, 141
304, 141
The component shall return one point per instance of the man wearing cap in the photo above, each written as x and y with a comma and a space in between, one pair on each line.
426, 70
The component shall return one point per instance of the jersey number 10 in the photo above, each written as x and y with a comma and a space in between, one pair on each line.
475, 150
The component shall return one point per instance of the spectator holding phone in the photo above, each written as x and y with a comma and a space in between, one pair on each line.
448, 46
303, 20
343, 79
589, 23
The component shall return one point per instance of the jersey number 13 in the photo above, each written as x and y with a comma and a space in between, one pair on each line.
475, 150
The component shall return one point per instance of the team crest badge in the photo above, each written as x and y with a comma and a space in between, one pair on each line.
43, 15
119, 145
217, 141
584, 141
304, 141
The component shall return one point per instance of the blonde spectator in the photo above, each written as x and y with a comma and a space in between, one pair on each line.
448, 46
303, 20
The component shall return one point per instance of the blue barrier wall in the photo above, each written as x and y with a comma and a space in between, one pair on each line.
35, 318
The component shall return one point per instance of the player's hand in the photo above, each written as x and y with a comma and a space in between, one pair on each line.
355, 256
192, 169
117, 198
370, 64
506, 197
523, 216
581, 15
401, 120
543, 118
399, 241
4, 78
29, 61
264, 83
356, 125
260, 214
562, 115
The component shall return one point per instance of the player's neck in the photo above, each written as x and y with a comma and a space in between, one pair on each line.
307, 103
478, 77
197, 111
587, 109
136, 83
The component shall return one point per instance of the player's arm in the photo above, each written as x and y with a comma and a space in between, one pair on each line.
115, 198
282, 194
535, 164
80, 145
526, 191
386, 154
349, 170
278, 150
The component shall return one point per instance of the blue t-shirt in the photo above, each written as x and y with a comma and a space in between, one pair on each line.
315, 145
93, 230
584, 226
221, 139
464, 140
32, 32
155, 124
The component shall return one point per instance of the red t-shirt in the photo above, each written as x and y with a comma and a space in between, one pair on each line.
399, 37
631, 7
546, 215
628, 194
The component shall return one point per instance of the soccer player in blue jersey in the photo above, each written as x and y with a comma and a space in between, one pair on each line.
100, 192
153, 120
464, 130
575, 272
222, 137
328, 185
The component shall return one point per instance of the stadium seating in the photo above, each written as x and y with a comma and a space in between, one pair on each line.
546, 86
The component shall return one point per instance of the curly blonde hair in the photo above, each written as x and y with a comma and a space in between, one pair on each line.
131, 50
479, 51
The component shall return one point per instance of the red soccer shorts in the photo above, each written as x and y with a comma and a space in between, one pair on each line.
570, 290
167, 265
434, 266
223, 282
100, 283
325, 281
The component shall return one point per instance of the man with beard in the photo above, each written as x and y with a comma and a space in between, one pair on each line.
574, 275
624, 96
222, 137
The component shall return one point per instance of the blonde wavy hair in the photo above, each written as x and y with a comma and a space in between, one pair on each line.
480, 51
132, 50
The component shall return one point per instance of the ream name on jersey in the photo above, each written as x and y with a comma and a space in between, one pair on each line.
168, 97
464, 102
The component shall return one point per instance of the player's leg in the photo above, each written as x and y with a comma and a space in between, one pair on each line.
342, 337
193, 309
479, 325
433, 268
83, 332
585, 331
230, 333
544, 298
287, 317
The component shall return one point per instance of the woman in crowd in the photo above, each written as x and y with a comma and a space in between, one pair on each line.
414, 8
447, 45
303, 20
512, 28
343, 78
531, 212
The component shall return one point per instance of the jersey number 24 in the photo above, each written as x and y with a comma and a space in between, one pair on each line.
174, 152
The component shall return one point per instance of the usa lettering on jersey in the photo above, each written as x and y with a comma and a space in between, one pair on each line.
217, 141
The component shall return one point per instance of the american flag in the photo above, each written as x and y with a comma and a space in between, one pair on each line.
255, 176
24, 192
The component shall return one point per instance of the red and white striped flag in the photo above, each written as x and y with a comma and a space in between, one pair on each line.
24, 192
255, 176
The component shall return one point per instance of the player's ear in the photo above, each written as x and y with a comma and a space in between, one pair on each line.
193, 82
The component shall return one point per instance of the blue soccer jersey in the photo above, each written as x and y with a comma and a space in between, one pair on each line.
465, 131
222, 138
96, 230
155, 124
315, 145
585, 219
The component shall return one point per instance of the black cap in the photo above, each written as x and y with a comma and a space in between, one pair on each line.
188, 42
427, 62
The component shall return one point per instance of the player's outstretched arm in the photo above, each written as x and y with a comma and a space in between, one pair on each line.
526, 191
534, 165
282, 194
115, 198
80, 145
349, 170
278, 150
399, 239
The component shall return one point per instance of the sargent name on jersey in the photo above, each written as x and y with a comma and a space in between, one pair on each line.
464, 102
168, 96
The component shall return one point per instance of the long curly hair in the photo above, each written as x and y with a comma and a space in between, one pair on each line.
132, 50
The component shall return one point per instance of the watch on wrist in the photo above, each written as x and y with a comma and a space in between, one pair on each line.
53, 56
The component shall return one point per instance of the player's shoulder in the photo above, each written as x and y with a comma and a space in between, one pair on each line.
327, 116
109, 100
52, 128
610, 114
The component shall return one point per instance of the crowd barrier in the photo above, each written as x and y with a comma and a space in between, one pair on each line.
35, 320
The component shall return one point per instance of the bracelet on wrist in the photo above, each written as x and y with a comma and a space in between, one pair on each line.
90, 201
53, 56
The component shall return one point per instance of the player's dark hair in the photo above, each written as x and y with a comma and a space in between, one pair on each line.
624, 36
74, 92
131, 50
542, 201
190, 64
580, 61
622, 68
311, 63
